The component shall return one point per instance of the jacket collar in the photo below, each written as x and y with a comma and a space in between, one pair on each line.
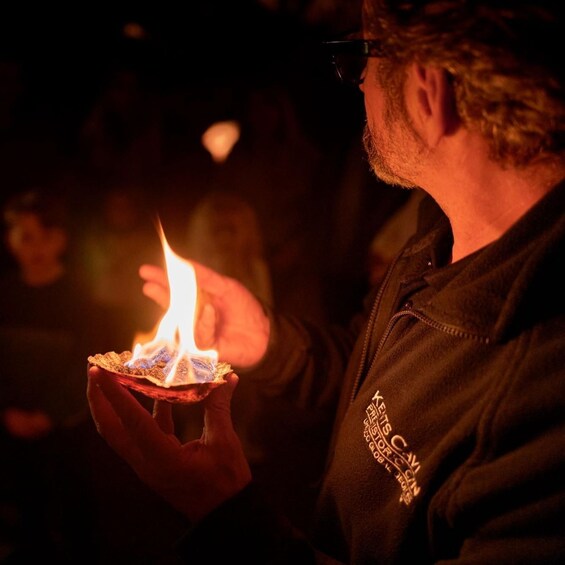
499, 290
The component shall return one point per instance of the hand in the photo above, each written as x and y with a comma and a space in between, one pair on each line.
231, 320
194, 477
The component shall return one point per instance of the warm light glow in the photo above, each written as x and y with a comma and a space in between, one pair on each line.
220, 138
133, 30
174, 338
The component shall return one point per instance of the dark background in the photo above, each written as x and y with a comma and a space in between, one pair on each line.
198, 60
68, 53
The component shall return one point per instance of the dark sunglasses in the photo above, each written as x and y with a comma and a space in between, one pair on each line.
349, 57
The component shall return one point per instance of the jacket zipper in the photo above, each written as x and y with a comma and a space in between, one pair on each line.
370, 324
406, 311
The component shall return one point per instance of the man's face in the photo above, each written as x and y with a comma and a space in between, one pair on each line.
394, 150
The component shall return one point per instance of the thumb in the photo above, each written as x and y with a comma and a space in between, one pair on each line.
218, 424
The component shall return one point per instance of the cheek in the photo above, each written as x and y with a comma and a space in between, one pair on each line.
19, 244
373, 97
369, 117
56, 240
374, 118
12, 241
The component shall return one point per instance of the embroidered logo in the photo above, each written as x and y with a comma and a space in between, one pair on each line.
391, 450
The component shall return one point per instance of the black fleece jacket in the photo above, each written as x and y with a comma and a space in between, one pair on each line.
448, 404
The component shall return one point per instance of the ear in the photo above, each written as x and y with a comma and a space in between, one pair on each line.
433, 103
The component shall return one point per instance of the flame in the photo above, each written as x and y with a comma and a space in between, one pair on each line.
173, 345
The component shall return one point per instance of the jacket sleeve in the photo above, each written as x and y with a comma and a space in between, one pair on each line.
304, 362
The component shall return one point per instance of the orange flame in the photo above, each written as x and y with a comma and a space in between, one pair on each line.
174, 338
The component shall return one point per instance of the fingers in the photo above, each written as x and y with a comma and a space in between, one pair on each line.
124, 423
217, 413
156, 286
157, 293
205, 329
163, 415
208, 279
107, 422
153, 273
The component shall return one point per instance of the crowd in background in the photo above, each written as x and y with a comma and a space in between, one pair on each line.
127, 153
131, 120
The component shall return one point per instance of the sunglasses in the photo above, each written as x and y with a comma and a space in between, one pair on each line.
349, 57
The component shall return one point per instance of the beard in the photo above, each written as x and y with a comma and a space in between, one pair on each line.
379, 163
396, 153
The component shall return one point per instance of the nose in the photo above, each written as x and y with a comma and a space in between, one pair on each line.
361, 83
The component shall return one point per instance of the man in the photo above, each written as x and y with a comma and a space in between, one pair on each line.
449, 408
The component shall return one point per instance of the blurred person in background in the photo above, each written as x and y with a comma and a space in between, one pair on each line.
275, 166
444, 402
47, 328
120, 139
224, 233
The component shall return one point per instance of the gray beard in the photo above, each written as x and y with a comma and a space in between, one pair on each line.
379, 164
